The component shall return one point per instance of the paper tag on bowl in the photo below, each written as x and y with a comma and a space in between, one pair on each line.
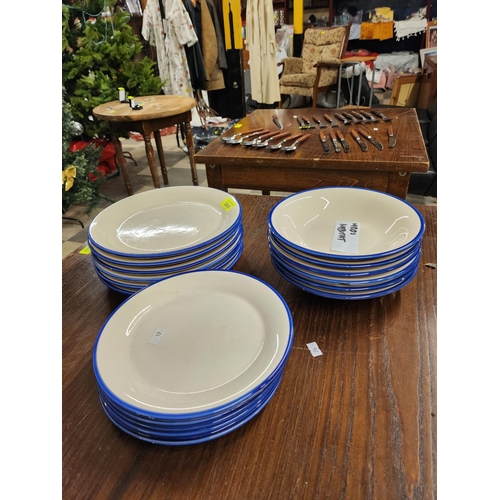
345, 237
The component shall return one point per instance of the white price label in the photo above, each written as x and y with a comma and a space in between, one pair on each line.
345, 237
315, 350
155, 339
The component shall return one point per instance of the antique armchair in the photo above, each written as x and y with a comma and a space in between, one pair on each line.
317, 70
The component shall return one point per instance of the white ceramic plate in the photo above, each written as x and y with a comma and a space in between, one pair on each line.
167, 268
164, 221
193, 343
307, 221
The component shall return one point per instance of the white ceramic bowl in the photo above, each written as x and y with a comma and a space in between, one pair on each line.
307, 221
335, 269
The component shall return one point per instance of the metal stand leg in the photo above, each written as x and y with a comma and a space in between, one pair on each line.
73, 219
372, 87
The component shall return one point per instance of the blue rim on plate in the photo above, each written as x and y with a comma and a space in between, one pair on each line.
333, 295
334, 272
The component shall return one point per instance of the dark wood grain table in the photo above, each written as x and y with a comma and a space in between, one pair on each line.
158, 112
357, 422
309, 167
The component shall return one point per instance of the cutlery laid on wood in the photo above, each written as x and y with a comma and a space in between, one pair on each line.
362, 144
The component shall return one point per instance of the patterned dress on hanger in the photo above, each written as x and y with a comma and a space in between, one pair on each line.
169, 38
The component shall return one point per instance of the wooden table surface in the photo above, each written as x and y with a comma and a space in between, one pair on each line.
358, 422
153, 107
308, 167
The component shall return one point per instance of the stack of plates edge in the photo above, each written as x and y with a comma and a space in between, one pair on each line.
153, 235
192, 357
344, 242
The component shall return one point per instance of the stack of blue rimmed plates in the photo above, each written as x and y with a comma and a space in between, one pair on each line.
192, 357
345, 243
153, 235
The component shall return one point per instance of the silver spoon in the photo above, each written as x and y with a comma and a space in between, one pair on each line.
257, 139
232, 137
263, 144
274, 147
293, 147
241, 139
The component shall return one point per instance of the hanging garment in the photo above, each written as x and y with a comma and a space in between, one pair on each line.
169, 37
221, 57
193, 54
229, 102
261, 45
209, 50
231, 19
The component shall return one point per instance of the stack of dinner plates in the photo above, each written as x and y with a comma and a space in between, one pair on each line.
153, 235
345, 243
192, 357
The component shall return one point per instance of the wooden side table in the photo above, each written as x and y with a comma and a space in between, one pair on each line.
157, 112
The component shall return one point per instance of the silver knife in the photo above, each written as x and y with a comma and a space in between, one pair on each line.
277, 122
372, 139
322, 138
319, 122
344, 143
336, 144
362, 144
351, 118
307, 122
392, 137
361, 117
381, 115
370, 117
343, 118
333, 123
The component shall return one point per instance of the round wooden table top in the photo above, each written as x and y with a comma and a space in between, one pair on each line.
153, 107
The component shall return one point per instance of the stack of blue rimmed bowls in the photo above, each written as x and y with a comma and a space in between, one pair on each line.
345, 243
153, 235
192, 357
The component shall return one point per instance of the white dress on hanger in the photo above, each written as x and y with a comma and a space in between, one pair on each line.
262, 48
169, 38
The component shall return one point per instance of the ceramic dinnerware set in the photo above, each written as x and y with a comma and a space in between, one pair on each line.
153, 235
345, 243
192, 357
197, 350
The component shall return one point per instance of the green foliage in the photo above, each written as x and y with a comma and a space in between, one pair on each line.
86, 182
100, 55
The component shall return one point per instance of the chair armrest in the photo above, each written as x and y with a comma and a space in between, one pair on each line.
292, 65
328, 63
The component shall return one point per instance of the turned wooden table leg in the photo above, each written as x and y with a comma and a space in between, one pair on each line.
161, 155
151, 160
190, 146
121, 162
